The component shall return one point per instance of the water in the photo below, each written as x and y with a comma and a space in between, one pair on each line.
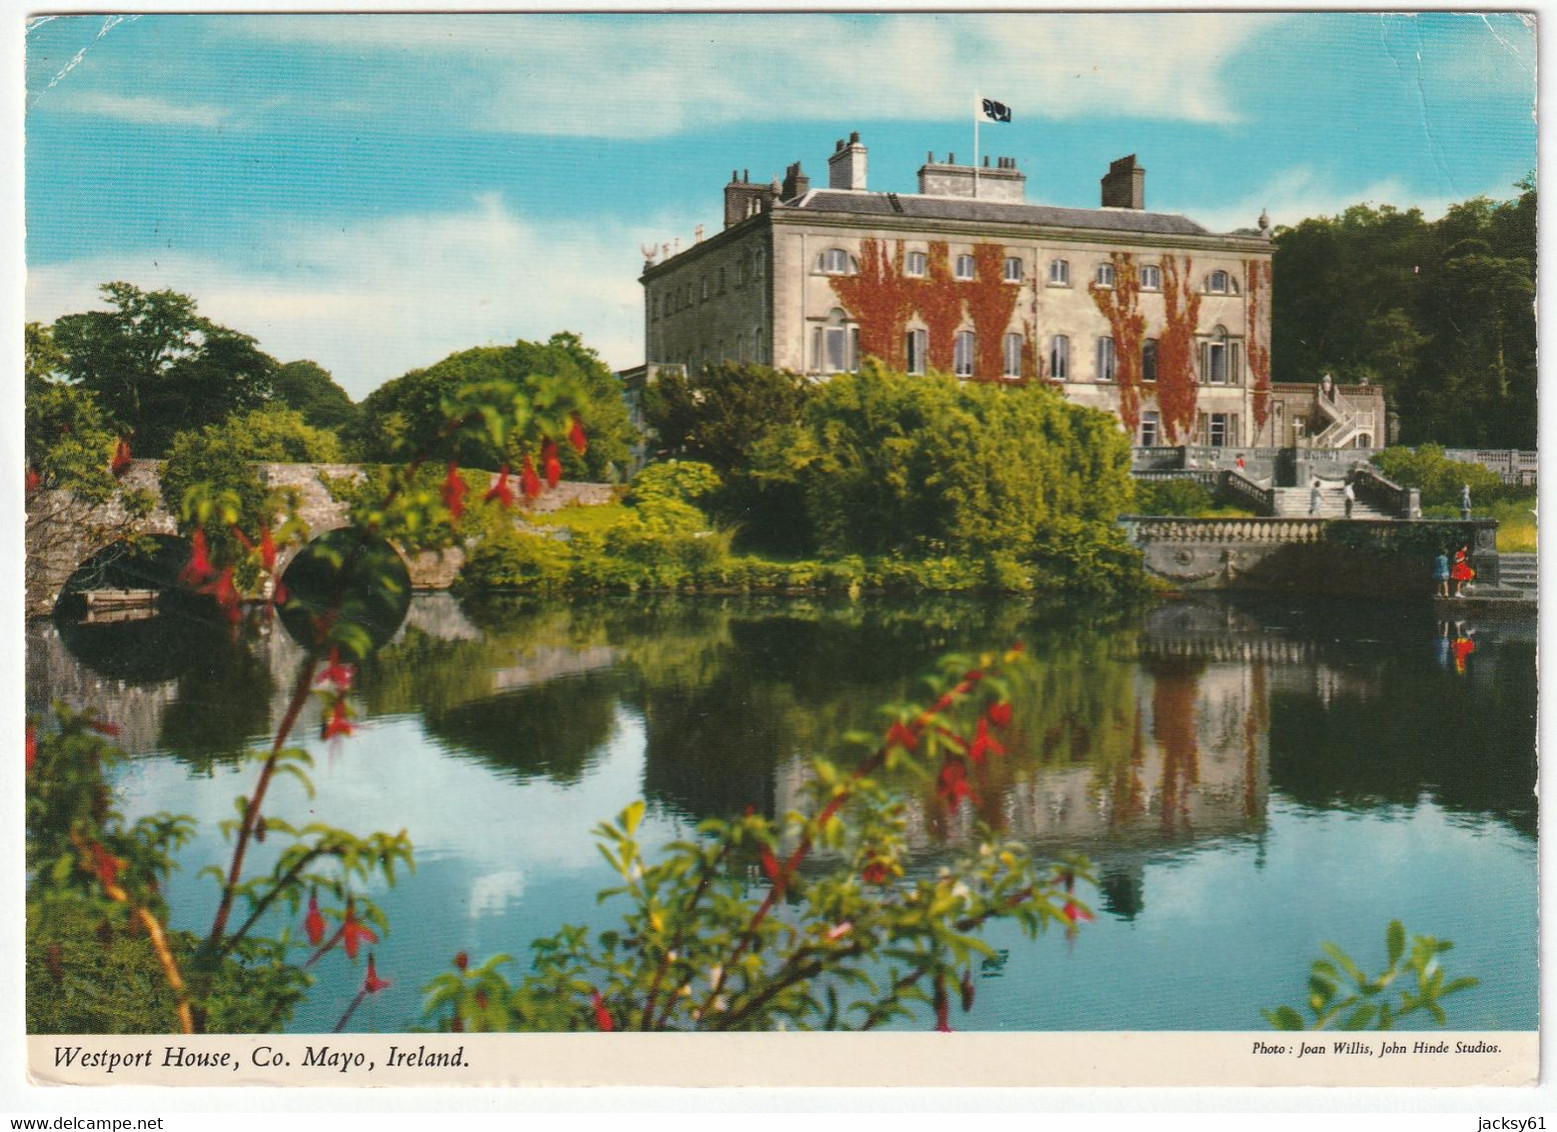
1250, 778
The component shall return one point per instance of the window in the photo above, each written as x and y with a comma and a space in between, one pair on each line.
1012, 351
1107, 367
1059, 357
743, 272
654, 309
964, 267
836, 345
705, 288
721, 281
1219, 360
1151, 428
1216, 434
917, 263
1149, 360
962, 354
1218, 282
1151, 277
836, 261
916, 347
1013, 269
756, 265
1105, 275
1059, 273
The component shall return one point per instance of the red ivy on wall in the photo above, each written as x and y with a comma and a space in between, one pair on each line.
1258, 285
1121, 304
880, 299
938, 299
1177, 389
1175, 692
991, 300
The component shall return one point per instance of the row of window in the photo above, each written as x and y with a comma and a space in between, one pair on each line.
836, 261
741, 348
1220, 360
1217, 430
747, 269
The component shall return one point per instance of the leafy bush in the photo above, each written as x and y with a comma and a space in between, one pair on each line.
1171, 497
1439, 478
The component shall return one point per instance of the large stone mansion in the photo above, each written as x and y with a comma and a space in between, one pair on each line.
1145, 314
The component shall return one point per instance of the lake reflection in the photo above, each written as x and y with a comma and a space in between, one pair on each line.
1249, 777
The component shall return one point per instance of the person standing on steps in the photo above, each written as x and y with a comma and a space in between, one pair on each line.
1462, 572
1313, 497
1441, 575
1351, 498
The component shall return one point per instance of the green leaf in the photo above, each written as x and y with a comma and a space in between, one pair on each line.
1284, 1018
1395, 939
1359, 1018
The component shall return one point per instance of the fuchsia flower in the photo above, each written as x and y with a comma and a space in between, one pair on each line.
198, 568
1075, 912
551, 467
900, 736
500, 490
373, 984
225, 592
335, 672
576, 435
942, 1007
34, 480
953, 782
984, 743
353, 932
278, 593
267, 548
106, 865
121, 461
313, 923
461, 960
1000, 713
32, 746
338, 723
454, 491
875, 873
603, 1020
529, 480
772, 870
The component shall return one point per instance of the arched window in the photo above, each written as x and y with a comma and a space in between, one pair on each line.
1105, 275
916, 348
836, 261
1059, 273
1059, 357
1220, 359
1151, 277
1219, 283
962, 354
1013, 269
964, 268
916, 264
1107, 362
836, 344
1149, 360
1011, 351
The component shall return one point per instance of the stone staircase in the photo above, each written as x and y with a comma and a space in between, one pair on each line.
1517, 571
1292, 503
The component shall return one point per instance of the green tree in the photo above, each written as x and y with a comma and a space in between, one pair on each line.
308, 387
158, 367
407, 413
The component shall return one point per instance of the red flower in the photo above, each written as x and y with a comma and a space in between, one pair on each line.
121, 460
267, 548
373, 984
278, 593
603, 1021
224, 591
953, 782
900, 736
984, 743
335, 672
248, 543
576, 435
772, 870
106, 865
338, 723
550, 465
500, 490
876, 872
529, 480
34, 480
454, 491
313, 924
353, 932
110, 729
1074, 912
32, 746
942, 1007
198, 568
1000, 713
461, 960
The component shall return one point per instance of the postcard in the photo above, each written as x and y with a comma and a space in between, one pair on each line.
829, 549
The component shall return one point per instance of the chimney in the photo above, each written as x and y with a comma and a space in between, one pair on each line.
1125, 184
796, 183
743, 198
846, 166
1002, 182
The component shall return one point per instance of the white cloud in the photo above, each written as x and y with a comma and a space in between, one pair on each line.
1295, 194
144, 109
371, 300
655, 75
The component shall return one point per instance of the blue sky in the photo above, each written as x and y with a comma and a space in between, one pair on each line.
375, 192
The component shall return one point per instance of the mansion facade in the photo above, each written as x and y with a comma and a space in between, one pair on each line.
1144, 314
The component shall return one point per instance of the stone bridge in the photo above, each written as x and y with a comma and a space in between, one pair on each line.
64, 532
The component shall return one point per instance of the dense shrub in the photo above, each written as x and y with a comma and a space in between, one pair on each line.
1171, 497
1439, 478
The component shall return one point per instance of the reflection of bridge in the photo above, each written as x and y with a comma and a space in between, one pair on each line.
62, 532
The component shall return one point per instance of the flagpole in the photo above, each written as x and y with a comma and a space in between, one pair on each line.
978, 108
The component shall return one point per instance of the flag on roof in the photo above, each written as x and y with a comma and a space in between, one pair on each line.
994, 111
